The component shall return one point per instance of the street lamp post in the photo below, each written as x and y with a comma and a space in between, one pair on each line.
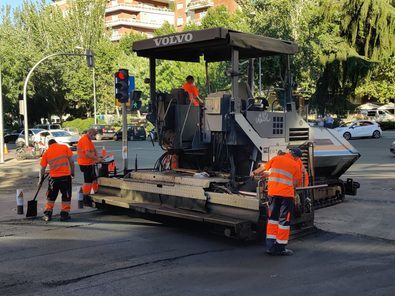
25, 119
1, 122
94, 95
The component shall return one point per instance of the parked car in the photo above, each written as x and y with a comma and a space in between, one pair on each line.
378, 115
134, 133
61, 137
392, 148
72, 130
360, 129
104, 131
11, 136
21, 139
48, 126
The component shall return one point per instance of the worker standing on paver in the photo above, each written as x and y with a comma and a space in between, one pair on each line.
87, 157
61, 168
284, 174
193, 92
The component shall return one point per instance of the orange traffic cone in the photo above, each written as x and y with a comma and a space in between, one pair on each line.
103, 152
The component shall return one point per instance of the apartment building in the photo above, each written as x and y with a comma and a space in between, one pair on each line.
186, 11
145, 16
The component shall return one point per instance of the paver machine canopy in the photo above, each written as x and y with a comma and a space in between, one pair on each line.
227, 118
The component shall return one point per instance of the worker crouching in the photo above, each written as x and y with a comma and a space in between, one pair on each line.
284, 173
87, 158
61, 169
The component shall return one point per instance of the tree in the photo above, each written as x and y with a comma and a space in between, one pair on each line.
37, 30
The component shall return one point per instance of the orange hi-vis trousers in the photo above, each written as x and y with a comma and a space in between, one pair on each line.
278, 223
56, 184
90, 185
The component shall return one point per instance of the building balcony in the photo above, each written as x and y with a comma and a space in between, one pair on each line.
200, 4
138, 8
132, 22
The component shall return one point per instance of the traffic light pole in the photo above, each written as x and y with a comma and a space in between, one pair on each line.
94, 95
124, 138
25, 119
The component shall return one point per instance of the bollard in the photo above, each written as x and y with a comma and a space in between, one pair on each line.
19, 201
80, 199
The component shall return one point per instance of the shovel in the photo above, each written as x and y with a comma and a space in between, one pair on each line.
32, 204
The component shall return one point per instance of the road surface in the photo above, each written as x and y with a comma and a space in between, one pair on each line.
352, 253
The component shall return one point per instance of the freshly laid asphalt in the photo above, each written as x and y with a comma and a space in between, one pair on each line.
106, 253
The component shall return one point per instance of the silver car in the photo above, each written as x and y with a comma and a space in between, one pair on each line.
60, 136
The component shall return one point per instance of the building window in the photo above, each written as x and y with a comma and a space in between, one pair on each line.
180, 21
202, 14
278, 125
180, 5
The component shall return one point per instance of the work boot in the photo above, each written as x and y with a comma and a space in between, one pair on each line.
47, 216
286, 252
87, 201
64, 216
270, 253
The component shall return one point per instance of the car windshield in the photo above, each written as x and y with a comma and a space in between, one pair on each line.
36, 130
346, 124
61, 134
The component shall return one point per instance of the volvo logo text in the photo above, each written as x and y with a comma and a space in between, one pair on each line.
175, 39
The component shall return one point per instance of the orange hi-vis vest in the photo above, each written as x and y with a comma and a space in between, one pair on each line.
57, 157
85, 145
193, 93
284, 174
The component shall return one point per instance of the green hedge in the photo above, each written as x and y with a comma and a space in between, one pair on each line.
387, 125
81, 124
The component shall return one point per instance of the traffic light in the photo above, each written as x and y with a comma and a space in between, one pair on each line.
135, 102
122, 85
90, 58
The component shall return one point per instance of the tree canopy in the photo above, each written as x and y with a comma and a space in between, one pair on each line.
346, 53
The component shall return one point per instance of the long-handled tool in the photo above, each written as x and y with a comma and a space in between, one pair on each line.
32, 204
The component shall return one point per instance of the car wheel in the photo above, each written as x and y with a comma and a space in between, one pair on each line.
376, 134
98, 137
347, 136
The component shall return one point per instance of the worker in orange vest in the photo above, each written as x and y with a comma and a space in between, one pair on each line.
284, 174
61, 168
87, 157
193, 92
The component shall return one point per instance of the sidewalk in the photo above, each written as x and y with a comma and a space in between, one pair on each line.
15, 174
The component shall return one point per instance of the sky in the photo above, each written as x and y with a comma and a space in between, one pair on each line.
12, 3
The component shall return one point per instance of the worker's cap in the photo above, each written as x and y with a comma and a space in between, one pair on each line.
296, 152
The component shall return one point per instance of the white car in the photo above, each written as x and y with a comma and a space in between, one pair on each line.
32, 132
72, 130
60, 136
359, 129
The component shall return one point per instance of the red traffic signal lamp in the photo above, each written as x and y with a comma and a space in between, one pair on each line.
121, 80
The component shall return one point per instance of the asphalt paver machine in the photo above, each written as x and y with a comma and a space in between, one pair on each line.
210, 150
